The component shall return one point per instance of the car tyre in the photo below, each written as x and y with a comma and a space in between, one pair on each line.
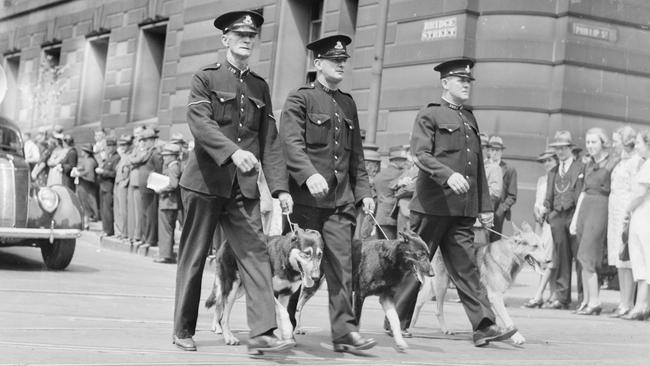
58, 255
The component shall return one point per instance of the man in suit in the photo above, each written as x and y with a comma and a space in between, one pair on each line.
231, 119
450, 192
508, 194
121, 188
168, 198
134, 201
106, 179
385, 184
328, 178
564, 187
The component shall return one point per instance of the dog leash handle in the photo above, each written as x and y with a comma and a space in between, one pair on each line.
377, 224
290, 223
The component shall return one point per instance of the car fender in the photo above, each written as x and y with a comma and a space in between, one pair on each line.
68, 214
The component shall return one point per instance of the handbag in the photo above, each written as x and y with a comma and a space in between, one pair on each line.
624, 252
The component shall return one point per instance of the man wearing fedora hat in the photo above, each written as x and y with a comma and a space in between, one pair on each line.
451, 191
106, 179
230, 116
121, 187
563, 188
508, 192
328, 178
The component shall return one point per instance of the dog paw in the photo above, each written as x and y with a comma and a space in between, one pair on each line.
217, 329
230, 339
447, 331
518, 339
300, 331
401, 346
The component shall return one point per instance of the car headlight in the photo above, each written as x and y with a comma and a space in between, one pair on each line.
48, 199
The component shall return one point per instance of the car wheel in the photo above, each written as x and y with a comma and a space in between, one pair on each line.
58, 254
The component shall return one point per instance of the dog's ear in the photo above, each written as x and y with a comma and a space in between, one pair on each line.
405, 236
525, 227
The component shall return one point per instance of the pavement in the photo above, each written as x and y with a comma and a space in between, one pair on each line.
113, 307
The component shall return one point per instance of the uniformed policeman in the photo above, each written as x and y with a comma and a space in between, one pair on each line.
320, 130
450, 192
230, 117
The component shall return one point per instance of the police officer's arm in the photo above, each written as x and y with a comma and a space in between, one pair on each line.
292, 132
273, 163
422, 146
357, 167
206, 131
484, 201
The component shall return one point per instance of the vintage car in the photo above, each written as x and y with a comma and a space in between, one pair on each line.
49, 218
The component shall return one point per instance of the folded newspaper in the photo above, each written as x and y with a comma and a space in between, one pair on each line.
157, 182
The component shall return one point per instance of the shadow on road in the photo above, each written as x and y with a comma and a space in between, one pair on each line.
15, 262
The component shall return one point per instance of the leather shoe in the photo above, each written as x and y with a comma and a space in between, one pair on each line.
268, 343
353, 341
186, 344
556, 304
492, 333
165, 260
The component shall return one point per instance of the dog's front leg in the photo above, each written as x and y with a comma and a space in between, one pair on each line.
424, 295
500, 309
282, 317
440, 286
391, 314
228, 337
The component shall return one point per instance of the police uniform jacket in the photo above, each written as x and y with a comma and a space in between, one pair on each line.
230, 110
445, 140
320, 130
169, 196
107, 177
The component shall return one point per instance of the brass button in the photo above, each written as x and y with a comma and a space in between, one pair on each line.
238, 139
221, 100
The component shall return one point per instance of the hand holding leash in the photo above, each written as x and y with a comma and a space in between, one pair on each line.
486, 219
368, 205
286, 203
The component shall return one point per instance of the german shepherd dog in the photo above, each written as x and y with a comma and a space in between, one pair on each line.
499, 264
378, 268
295, 262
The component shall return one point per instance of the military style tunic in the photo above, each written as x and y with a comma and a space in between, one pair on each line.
239, 104
445, 140
320, 128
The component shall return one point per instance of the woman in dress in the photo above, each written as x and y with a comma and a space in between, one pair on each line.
639, 238
619, 200
590, 220
543, 229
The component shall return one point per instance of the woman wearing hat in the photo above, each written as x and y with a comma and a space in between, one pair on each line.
590, 220
543, 229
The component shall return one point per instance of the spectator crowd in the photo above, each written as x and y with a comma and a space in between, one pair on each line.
590, 208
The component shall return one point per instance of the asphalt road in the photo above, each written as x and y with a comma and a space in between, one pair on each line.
114, 308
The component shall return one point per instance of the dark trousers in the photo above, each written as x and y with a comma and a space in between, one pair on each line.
498, 226
336, 225
565, 247
134, 202
166, 226
106, 199
455, 238
240, 220
149, 216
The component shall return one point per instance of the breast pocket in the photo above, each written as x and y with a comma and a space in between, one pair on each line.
449, 138
318, 129
348, 133
257, 113
224, 107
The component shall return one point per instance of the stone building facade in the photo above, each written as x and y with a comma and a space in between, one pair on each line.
542, 65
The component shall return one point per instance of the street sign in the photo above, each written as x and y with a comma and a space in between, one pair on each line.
593, 31
441, 28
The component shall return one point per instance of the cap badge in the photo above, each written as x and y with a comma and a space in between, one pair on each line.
247, 20
339, 45
467, 69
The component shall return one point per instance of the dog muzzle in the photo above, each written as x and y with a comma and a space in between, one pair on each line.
299, 263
